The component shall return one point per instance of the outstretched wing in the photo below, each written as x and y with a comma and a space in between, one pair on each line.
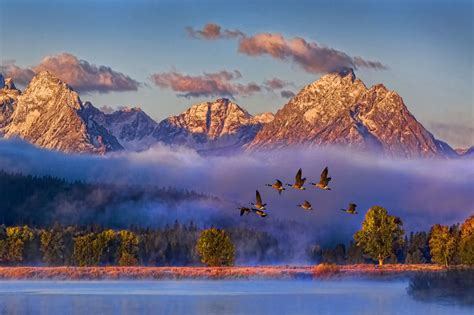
298, 175
242, 211
298, 180
261, 213
259, 198
279, 183
352, 207
324, 179
324, 173
307, 204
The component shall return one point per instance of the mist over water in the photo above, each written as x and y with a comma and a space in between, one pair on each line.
421, 192
350, 296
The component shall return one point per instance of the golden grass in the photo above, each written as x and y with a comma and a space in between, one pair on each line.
244, 272
325, 270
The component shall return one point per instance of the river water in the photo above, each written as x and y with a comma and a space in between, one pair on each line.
216, 297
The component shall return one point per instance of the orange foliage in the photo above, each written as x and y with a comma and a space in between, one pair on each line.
323, 270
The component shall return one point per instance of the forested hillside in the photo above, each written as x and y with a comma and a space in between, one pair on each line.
39, 201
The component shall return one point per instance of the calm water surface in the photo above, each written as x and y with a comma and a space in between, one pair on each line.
215, 297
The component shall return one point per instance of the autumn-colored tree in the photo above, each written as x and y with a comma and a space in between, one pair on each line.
216, 248
466, 245
442, 245
381, 233
128, 249
84, 252
52, 246
96, 248
14, 245
107, 244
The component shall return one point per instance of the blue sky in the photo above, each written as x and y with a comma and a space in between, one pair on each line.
427, 46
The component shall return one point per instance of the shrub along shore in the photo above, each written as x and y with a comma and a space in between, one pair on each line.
235, 272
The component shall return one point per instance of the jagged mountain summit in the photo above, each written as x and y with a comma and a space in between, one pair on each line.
338, 109
132, 127
219, 126
8, 97
51, 115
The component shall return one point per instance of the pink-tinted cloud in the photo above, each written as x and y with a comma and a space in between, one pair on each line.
80, 74
20, 75
310, 56
209, 84
276, 84
213, 31
287, 94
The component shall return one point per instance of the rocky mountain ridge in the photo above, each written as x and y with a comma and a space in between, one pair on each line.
8, 97
337, 109
212, 126
50, 114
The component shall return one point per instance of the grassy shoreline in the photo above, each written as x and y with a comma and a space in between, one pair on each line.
237, 272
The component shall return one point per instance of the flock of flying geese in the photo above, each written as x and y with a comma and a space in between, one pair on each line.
259, 207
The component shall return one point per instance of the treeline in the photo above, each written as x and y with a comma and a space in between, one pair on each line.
95, 246
42, 201
382, 238
414, 250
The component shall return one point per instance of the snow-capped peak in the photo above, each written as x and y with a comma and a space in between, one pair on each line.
50, 114
339, 109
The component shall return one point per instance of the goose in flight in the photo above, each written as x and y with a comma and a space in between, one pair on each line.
306, 205
261, 213
324, 180
278, 185
351, 209
244, 210
299, 182
258, 204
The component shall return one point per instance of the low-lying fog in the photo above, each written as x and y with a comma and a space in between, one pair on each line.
421, 192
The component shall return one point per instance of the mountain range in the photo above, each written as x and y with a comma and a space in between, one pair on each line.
337, 109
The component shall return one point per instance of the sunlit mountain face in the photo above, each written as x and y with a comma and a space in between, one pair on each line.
377, 152
337, 109
317, 156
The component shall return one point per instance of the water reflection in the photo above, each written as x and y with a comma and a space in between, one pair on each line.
215, 297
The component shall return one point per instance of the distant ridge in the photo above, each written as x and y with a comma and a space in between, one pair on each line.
337, 109
219, 126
